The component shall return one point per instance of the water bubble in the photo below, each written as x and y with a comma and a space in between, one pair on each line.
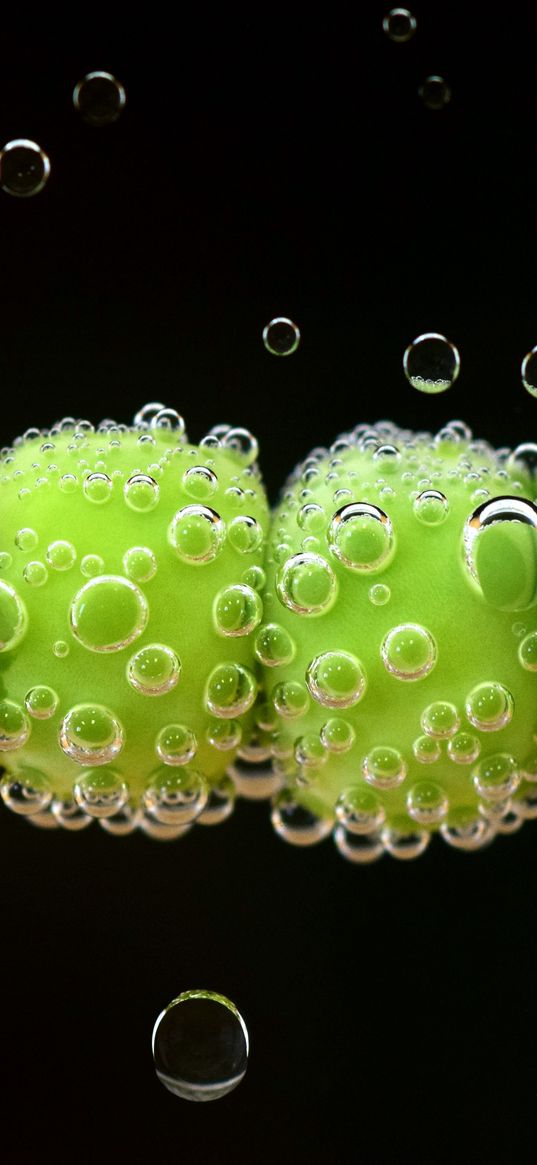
68, 483
409, 652
464, 748
102, 793
336, 679
141, 493
379, 594
467, 831
274, 646
200, 1046
6, 560
431, 507
224, 735
426, 750
231, 690
220, 804
384, 767
435, 93
311, 518
108, 613
440, 719
309, 752
496, 777
169, 420
361, 849
290, 699
15, 727
145, 415
241, 441
528, 372
26, 791
399, 25
97, 488
500, 539
44, 820
255, 782
405, 846
254, 576
157, 831
237, 610
296, 824
69, 815
13, 617
307, 584
361, 536
60, 649
26, 539
139, 564
200, 482
527, 652
525, 455
61, 555
281, 336
91, 565
489, 707
176, 744
24, 168
427, 803
175, 797
154, 670
41, 702
245, 534
431, 363
91, 735
338, 735
359, 810
99, 98
528, 768
124, 821
526, 805
197, 534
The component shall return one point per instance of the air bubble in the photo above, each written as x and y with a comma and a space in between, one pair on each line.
527, 652
427, 803
409, 652
91, 735
176, 744
69, 815
524, 456
24, 169
68, 483
467, 831
26, 791
108, 613
15, 726
496, 777
464, 748
307, 584
435, 93
237, 610
41, 702
124, 821
500, 539
175, 798
35, 573
528, 372
245, 534
97, 488
200, 1046
169, 420
220, 804
281, 336
99, 98
274, 646
426, 750
255, 782
379, 594
431, 363
13, 617
296, 824
440, 720
225, 735
431, 507
139, 564
197, 534
399, 25
91, 565
384, 767
159, 832
338, 735
489, 707
231, 690
6, 560
360, 849
359, 810
405, 846
255, 577
311, 518
310, 752
60, 649
141, 493
26, 539
361, 536
61, 555
200, 482
102, 793
154, 670
243, 442
336, 679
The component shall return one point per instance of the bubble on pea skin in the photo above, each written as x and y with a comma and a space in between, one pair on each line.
496, 777
154, 669
361, 849
311, 518
296, 824
68, 813
26, 539
26, 791
225, 735
525, 455
197, 534
237, 610
336, 679
427, 803
384, 767
200, 482
431, 363
489, 707
409, 652
499, 543
108, 613
291, 699
24, 168
281, 336
101, 792
440, 719
361, 537
337, 735
175, 796
141, 493
97, 488
359, 810
220, 803
41, 702
231, 690
90, 734
379, 594
528, 372
13, 617
404, 846
468, 831
435, 92
61, 555
245, 534
464, 748
91, 565
15, 727
431, 507
99, 98
6, 560
200, 1046
139, 564
176, 744
123, 822
274, 646
527, 652
307, 584
60, 649
427, 750
254, 577
399, 25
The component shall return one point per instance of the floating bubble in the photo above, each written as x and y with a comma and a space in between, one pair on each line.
99, 98
409, 652
489, 707
176, 744
68, 483
220, 804
175, 797
26, 539
237, 610
41, 702
26, 791
528, 372
255, 782
500, 542
200, 1046
431, 507
435, 92
359, 810
274, 646
101, 793
357, 848
338, 735
108, 613
6, 560
336, 679
97, 488
440, 720
13, 617
496, 777
281, 336
60, 649
524, 456
197, 534
384, 767
245, 534
200, 482
431, 363
427, 803
141, 493
91, 565
464, 748
426, 750
157, 831
139, 564
399, 25
296, 824
91, 735
15, 727
307, 584
24, 168
231, 690
241, 441
527, 652
61, 555
361, 536
255, 577
154, 670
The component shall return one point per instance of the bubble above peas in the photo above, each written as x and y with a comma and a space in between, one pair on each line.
200, 1046
431, 363
281, 336
24, 168
99, 98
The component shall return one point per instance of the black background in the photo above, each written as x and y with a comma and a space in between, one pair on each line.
270, 162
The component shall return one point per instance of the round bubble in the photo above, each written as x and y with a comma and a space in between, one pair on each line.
108, 613
200, 1046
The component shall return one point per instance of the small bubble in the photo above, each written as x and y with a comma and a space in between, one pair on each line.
175, 798
170, 421
359, 810
431, 363
15, 728
307, 584
124, 821
245, 534
61, 555
291, 699
527, 652
69, 815
440, 720
154, 670
176, 744
26, 539
274, 646
35, 574
336, 679
237, 610
139, 564
409, 652
427, 803
13, 617
525, 455
68, 483
464, 748
200, 482
309, 751
41, 702
255, 577
97, 488
220, 804
108, 613
399, 25
24, 169
496, 777
225, 735
361, 536
27, 791
431, 507
91, 735
358, 848
311, 518
197, 534
99, 98
379, 594
200, 1046
528, 372
60, 649
231, 690
338, 735
6, 560
489, 707
141, 493
426, 750
405, 846
101, 793
468, 831
296, 824
384, 767
435, 93
281, 336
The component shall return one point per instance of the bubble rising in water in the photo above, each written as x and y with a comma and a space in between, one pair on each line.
99, 98
399, 25
435, 92
528, 372
431, 363
24, 168
200, 1046
281, 336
